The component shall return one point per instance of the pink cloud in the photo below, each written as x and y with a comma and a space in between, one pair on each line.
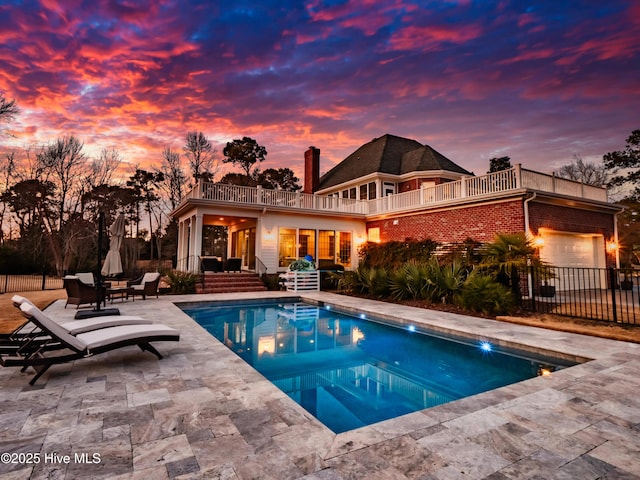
432, 37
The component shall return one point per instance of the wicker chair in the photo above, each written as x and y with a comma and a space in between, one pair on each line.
233, 264
78, 292
145, 285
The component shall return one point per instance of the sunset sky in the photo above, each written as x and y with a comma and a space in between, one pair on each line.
537, 81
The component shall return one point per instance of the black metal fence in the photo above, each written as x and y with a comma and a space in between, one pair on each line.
29, 283
604, 294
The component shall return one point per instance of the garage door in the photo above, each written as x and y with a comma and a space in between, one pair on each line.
577, 252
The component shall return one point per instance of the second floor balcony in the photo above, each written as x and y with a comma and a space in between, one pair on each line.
468, 188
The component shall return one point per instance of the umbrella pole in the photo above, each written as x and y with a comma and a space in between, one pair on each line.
100, 287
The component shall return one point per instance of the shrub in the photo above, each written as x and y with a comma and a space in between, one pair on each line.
182, 282
374, 281
393, 255
481, 293
410, 281
271, 281
347, 281
444, 281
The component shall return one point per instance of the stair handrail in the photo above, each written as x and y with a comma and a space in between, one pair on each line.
261, 268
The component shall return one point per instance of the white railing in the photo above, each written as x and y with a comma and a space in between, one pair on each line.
301, 280
468, 187
553, 184
275, 198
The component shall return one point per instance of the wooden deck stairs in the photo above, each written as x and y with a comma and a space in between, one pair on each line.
230, 283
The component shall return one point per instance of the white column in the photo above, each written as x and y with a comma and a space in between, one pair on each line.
192, 259
189, 238
197, 245
185, 245
180, 247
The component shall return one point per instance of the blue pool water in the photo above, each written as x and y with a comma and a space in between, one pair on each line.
350, 372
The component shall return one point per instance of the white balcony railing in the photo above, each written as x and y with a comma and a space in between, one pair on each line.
482, 186
275, 198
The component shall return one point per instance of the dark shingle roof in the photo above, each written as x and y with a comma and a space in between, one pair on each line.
426, 158
388, 154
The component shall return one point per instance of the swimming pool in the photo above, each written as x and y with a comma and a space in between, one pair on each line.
349, 371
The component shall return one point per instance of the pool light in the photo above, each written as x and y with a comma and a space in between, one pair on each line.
486, 347
411, 328
363, 316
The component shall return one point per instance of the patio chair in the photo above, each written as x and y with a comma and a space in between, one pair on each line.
78, 292
58, 346
145, 285
211, 264
233, 264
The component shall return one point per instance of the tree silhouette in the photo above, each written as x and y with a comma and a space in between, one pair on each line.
498, 164
627, 163
8, 109
200, 154
245, 153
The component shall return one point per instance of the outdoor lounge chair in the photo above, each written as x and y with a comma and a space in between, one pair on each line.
26, 334
58, 346
145, 285
75, 327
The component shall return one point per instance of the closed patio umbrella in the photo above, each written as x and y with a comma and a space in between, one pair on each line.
113, 263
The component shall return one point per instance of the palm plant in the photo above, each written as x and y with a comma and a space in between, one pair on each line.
482, 293
507, 256
373, 280
444, 281
410, 281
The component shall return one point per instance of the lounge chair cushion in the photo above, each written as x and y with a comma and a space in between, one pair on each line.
53, 327
88, 324
100, 338
147, 278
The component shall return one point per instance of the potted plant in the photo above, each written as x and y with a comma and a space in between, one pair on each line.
545, 289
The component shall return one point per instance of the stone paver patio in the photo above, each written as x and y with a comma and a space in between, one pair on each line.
201, 412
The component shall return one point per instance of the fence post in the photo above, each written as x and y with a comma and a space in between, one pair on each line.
533, 288
612, 281
44, 279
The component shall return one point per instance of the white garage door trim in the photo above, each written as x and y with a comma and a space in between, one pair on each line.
577, 251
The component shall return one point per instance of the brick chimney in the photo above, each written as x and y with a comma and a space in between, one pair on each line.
311, 170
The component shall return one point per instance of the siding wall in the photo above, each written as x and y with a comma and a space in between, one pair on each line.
269, 225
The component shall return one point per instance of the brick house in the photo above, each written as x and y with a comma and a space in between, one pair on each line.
393, 188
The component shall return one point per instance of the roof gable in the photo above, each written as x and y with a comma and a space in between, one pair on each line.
388, 154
